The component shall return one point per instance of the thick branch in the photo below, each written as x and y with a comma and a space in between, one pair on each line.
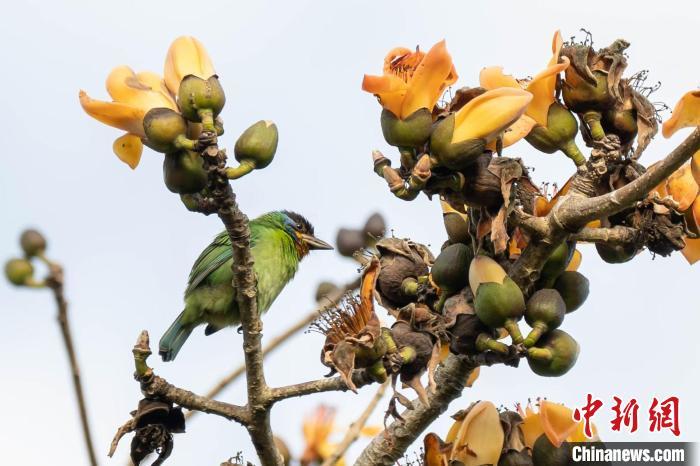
354, 431
277, 341
55, 282
613, 235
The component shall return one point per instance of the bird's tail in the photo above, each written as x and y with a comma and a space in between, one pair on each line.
173, 338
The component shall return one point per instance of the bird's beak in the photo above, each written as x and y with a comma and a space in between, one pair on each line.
314, 243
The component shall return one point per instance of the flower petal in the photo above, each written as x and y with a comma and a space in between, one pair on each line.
492, 77
557, 422
432, 76
542, 87
473, 376
186, 55
682, 187
389, 89
117, 115
489, 114
143, 90
685, 114
557, 44
433, 454
518, 130
695, 166
129, 149
691, 251
575, 261
531, 427
480, 437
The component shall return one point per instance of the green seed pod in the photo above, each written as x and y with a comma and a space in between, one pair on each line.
458, 155
515, 458
183, 172
581, 96
555, 355
413, 131
451, 267
556, 264
349, 241
32, 242
573, 288
166, 130
201, 100
19, 271
616, 253
545, 311
257, 145
544, 453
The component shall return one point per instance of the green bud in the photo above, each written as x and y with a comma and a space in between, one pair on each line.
545, 311
257, 144
19, 271
616, 253
32, 242
413, 131
544, 453
555, 354
556, 264
453, 155
201, 100
573, 288
166, 130
183, 172
496, 303
451, 268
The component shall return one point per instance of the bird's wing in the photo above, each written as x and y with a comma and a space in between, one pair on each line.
214, 256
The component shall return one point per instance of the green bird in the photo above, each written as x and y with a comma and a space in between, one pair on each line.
279, 241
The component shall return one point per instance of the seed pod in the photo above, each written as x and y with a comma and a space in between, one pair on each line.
515, 458
201, 100
183, 172
257, 145
375, 227
544, 453
555, 355
19, 271
573, 288
545, 311
454, 156
581, 96
32, 242
556, 264
450, 270
413, 131
349, 241
498, 301
616, 253
166, 130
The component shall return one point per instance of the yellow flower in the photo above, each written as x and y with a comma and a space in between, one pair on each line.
133, 95
555, 421
317, 429
412, 80
186, 56
685, 114
542, 87
683, 187
477, 438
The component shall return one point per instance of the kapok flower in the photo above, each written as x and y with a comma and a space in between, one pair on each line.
186, 56
412, 80
685, 114
683, 187
133, 95
556, 126
317, 429
555, 421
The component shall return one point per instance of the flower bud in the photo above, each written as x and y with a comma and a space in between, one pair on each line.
201, 100
616, 253
258, 144
555, 354
413, 131
456, 224
515, 458
573, 288
32, 242
165, 130
544, 312
556, 264
183, 172
375, 227
543, 452
454, 155
19, 271
349, 241
450, 270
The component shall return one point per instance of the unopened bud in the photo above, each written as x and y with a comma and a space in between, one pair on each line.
257, 144
201, 99
19, 271
32, 242
166, 130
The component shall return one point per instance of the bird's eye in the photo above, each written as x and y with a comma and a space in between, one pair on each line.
298, 226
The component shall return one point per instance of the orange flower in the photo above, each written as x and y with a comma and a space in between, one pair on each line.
542, 87
555, 421
412, 80
133, 95
186, 56
685, 114
317, 429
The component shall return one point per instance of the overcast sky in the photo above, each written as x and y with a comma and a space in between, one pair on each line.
128, 244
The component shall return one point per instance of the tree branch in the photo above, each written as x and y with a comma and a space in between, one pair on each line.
359, 377
353, 433
614, 235
55, 282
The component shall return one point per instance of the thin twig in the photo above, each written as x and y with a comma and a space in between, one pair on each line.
55, 282
277, 341
353, 433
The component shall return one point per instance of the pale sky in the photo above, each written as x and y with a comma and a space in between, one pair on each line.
128, 244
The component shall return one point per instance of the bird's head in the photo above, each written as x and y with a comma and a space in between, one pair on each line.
302, 232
